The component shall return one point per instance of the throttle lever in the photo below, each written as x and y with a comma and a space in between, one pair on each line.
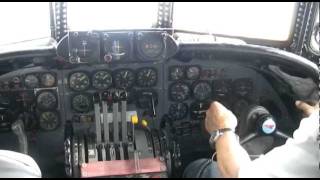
18, 129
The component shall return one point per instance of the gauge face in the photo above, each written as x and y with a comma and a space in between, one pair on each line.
179, 92
84, 46
81, 103
243, 87
202, 91
117, 45
178, 111
193, 72
222, 88
118, 49
176, 73
49, 121
102, 80
151, 47
31, 81
47, 100
124, 78
48, 80
198, 110
147, 77
82, 49
79, 81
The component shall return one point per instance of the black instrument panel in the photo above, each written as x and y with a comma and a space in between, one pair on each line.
143, 63
162, 86
124, 46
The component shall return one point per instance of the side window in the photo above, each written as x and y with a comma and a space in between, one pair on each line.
314, 41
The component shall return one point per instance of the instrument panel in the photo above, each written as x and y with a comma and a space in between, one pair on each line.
29, 81
35, 92
106, 47
141, 63
160, 85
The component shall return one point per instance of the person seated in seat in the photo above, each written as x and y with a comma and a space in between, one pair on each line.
298, 157
17, 165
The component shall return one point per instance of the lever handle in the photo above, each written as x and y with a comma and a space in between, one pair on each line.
18, 129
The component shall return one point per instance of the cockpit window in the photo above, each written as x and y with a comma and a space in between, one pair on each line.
111, 15
260, 20
23, 21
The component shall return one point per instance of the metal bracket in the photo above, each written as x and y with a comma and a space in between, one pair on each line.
60, 17
307, 51
165, 15
301, 25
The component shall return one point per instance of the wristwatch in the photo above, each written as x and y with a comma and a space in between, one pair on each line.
216, 134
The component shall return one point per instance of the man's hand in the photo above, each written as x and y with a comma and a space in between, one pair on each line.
306, 108
230, 155
218, 117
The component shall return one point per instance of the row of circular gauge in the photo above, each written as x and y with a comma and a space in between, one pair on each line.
34, 80
204, 90
103, 79
192, 72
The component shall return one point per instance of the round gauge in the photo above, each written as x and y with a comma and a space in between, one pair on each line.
151, 46
118, 49
47, 100
48, 80
198, 110
176, 73
193, 72
242, 87
222, 88
202, 91
31, 81
81, 103
179, 92
49, 121
124, 78
178, 111
79, 81
102, 80
147, 77
83, 45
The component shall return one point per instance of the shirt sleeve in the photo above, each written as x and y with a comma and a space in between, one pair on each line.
17, 165
298, 157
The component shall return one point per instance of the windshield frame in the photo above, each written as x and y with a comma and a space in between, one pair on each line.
165, 19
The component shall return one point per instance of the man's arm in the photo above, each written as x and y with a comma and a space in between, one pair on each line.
230, 154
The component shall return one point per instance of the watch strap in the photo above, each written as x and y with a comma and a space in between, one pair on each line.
217, 133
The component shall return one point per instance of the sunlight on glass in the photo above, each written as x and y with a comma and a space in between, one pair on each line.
21, 21
263, 20
111, 15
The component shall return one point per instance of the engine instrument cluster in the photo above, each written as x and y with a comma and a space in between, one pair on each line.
192, 87
124, 78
